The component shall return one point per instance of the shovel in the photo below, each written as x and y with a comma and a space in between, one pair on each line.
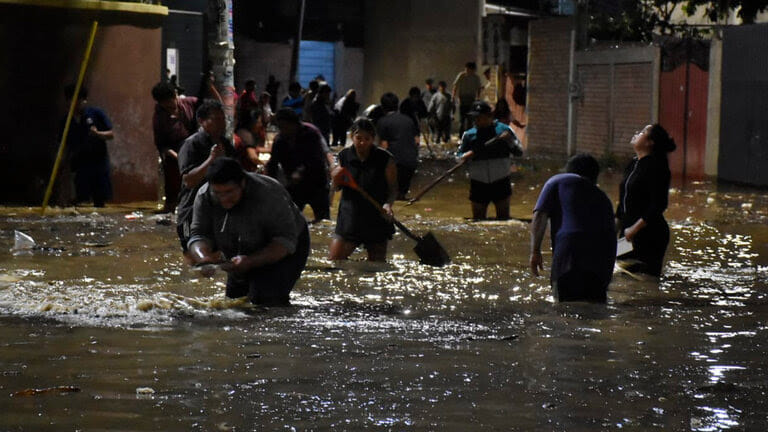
435, 182
428, 249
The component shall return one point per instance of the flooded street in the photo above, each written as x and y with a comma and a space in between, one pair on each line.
476, 345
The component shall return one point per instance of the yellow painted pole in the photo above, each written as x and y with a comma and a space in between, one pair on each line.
72, 105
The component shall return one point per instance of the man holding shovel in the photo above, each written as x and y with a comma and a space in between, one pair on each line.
488, 147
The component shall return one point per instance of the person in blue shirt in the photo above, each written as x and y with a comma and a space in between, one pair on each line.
489, 146
582, 230
89, 132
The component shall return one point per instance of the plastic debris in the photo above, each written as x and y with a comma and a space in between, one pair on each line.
22, 243
145, 391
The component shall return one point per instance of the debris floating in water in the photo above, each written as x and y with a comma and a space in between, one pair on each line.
49, 390
22, 243
145, 391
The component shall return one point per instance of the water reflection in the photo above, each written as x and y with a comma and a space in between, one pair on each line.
475, 344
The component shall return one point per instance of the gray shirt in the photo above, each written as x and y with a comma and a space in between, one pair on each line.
440, 105
400, 132
264, 214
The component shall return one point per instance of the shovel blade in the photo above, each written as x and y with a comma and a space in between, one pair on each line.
431, 252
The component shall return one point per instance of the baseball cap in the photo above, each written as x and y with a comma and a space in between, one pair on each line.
480, 107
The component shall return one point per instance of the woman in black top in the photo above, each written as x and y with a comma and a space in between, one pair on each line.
643, 197
358, 221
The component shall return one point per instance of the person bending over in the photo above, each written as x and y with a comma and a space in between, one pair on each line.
250, 221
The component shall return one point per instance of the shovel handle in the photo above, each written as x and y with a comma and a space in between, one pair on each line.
344, 178
435, 182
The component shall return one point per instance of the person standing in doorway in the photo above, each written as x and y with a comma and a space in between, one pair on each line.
399, 135
467, 88
89, 132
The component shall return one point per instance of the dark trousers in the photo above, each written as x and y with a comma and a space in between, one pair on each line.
172, 180
465, 120
317, 198
271, 285
92, 181
579, 285
404, 176
649, 247
443, 127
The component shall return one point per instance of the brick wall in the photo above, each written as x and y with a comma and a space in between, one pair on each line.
548, 69
592, 109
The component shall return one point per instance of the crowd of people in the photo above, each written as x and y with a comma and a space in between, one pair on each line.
246, 215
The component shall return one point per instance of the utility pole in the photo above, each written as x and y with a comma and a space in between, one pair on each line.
221, 53
297, 43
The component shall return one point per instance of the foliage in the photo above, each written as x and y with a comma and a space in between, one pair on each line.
638, 20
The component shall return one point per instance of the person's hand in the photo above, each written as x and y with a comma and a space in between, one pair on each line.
467, 155
93, 131
388, 213
217, 151
537, 263
171, 154
238, 264
630, 233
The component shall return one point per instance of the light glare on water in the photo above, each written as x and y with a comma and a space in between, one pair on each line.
477, 344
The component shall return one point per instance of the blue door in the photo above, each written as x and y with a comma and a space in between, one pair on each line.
316, 58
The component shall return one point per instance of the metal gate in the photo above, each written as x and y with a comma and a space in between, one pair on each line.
743, 154
684, 88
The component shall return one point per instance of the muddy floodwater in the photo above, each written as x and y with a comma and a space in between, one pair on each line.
110, 309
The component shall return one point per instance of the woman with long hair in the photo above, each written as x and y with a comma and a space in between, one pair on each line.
643, 198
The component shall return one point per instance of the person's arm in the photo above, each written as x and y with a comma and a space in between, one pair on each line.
390, 173
281, 227
200, 233
464, 151
102, 135
196, 176
270, 254
538, 228
456, 85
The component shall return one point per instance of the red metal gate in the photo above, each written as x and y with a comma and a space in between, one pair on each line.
687, 162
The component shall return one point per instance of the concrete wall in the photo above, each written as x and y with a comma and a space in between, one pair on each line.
548, 69
407, 41
349, 65
258, 60
42, 51
713, 106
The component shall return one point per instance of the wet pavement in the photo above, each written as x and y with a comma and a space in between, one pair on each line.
478, 344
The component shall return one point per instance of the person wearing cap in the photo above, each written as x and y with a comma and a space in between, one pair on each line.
301, 155
582, 230
250, 222
488, 147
